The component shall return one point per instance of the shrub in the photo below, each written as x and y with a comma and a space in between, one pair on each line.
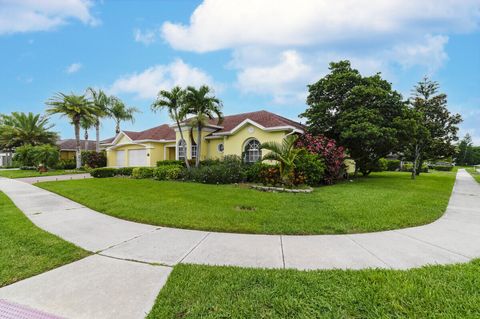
309, 169
328, 150
393, 165
167, 172
66, 164
45, 155
230, 170
93, 159
103, 172
142, 172
270, 175
24, 155
170, 162
380, 166
408, 167
125, 171
252, 171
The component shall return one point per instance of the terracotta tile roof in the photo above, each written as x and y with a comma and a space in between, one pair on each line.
162, 132
70, 144
107, 140
165, 132
264, 118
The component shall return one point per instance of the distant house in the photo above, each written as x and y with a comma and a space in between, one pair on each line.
6, 158
239, 134
68, 147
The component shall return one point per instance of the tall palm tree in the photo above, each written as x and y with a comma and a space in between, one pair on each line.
75, 107
120, 112
204, 107
284, 154
173, 102
20, 128
86, 123
101, 102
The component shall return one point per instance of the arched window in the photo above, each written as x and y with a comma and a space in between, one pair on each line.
252, 152
182, 150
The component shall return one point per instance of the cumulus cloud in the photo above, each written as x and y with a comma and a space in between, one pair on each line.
220, 24
73, 68
35, 15
146, 84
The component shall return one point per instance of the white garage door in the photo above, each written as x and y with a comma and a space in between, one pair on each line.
120, 158
137, 157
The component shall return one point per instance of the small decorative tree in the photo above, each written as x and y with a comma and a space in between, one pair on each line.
326, 149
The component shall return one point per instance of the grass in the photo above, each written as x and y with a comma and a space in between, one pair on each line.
382, 201
27, 250
31, 173
474, 173
194, 291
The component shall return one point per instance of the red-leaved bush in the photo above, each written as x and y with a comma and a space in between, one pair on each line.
328, 150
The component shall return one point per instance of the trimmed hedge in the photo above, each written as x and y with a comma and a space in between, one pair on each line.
167, 172
170, 162
103, 172
142, 172
124, 171
393, 165
446, 168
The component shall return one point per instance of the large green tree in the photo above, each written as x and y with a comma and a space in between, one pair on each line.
203, 106
174, 102
436, 119
74, 107
464, 150
20, 128
359, 112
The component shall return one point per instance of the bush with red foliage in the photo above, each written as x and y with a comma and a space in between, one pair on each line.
328, 150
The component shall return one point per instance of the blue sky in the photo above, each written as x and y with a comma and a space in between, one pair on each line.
255, 54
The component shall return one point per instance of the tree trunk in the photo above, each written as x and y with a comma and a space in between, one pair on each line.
97, 136
415, 161
420, 164
77, 149
187, 164
117, 127
86, 140
199, 145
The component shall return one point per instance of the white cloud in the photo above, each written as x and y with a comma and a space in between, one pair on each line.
73, 68
220, 24
42, 15
146, 37
281, 80
147, 83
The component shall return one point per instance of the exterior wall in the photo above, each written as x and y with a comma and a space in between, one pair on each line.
234, 144
67, 155
212, 148
186, 135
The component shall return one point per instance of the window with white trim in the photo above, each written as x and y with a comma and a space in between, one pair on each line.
252, 151
194, 151
182, 150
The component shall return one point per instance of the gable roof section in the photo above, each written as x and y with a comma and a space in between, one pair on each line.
71, 145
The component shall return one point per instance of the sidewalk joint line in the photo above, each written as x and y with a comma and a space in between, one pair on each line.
194, 247
127, 240
370, 252
283, 253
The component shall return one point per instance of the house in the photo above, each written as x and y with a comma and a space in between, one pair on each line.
6, 158
239, 134
67, 147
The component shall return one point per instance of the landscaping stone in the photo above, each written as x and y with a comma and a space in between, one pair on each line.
281, 189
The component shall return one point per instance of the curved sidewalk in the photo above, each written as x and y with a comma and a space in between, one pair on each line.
455, 237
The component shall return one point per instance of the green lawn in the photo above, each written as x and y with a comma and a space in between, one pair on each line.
474, 173
26, 250
32, 173
229, 292
382, 201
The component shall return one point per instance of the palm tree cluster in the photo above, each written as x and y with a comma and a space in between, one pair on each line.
86, 111
199, 103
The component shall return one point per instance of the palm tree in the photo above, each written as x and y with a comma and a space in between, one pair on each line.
120, 112
100, 100
173, 101
86, 123
75, 107
20, 128
284, 154
203, 107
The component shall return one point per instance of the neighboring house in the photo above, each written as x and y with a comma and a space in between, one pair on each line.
6, 158
239, 134
68, 147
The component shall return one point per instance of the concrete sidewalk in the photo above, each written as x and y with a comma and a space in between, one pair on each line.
37, 179
454, 238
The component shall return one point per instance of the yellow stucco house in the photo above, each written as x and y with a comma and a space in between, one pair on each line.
239, 134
